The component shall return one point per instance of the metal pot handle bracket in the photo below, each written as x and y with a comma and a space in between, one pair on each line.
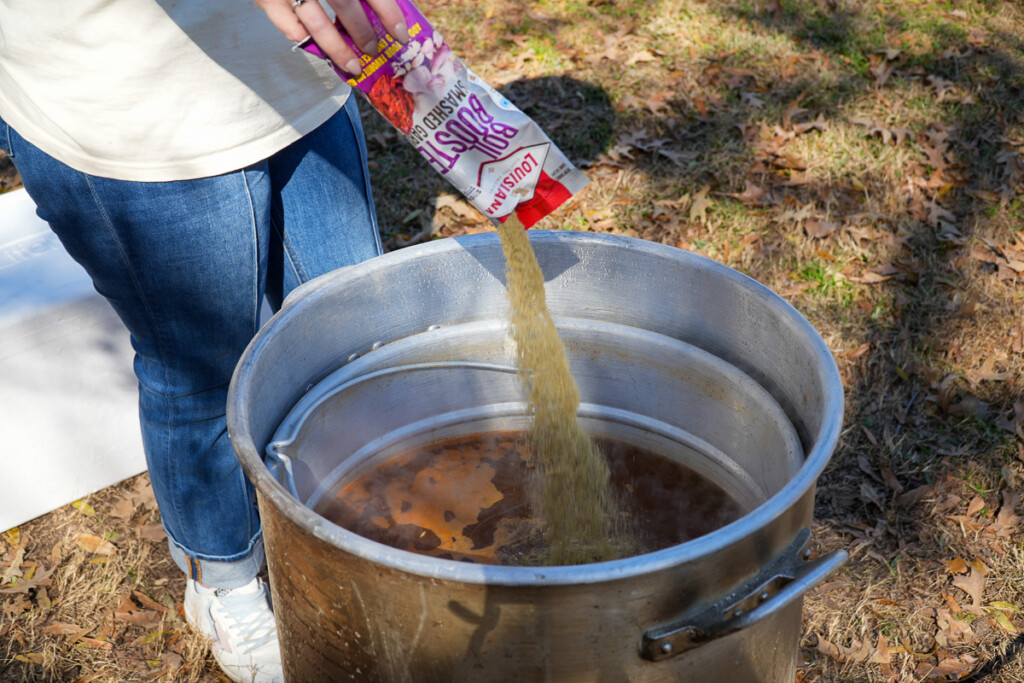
787, 578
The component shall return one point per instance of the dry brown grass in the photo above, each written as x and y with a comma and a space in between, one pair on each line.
96, 597
860, 158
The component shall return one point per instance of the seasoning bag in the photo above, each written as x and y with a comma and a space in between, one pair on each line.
496, 155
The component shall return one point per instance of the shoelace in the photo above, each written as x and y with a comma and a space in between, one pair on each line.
249, 616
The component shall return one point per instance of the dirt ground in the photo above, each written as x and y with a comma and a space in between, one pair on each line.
862, 159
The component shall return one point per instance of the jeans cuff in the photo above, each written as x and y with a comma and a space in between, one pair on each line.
218, 573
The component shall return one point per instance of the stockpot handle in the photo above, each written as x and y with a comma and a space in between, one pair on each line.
785, 580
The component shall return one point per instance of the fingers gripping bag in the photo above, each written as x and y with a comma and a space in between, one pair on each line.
496, 155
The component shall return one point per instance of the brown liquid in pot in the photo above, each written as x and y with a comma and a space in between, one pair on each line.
468, 498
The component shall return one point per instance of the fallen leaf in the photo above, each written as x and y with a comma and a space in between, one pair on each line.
950, 666
24, 585
84, 508
989, 373
31, 658
752, 99
123, 509
969, 308
523, 58
881, 655
881, 68
752, 195
869, 494
976, 505
857, 352
858, 651
92, 543
641, 56
1005, 606
891, 135
788, 161
793, 109
140, 617
132, 612
142, 494
817, 124
979, 564
796, 215
96, 643
1002, 620
937, 216
19, 605
168, 663
60, 628
818, 229
942, 88
13, 571
152, 636
974, 585
148, 602
890, 480
887, 601
1004, 273
1015, 424
699, 206
952, 631
957, 565
1007, 520
660, 103
151, 532
677, 157
865, 466
738, 76
869, 278
936, 157
915, 495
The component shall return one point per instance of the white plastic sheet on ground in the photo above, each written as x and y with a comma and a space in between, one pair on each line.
68, 399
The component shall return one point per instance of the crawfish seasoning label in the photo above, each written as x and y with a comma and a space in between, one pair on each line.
483, 144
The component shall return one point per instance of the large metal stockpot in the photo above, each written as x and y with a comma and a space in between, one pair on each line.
671, 351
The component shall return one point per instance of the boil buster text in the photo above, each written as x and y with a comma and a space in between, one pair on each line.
449, 131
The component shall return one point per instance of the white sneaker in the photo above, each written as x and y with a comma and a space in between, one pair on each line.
242, 629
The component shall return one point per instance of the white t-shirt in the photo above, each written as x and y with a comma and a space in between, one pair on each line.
156, 90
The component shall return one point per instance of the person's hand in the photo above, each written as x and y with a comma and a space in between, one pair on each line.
302, 18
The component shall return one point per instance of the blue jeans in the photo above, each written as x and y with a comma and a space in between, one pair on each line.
186, 265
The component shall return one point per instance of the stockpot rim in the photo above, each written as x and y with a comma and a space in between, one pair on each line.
274, 492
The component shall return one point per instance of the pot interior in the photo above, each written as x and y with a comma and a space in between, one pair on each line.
639, 388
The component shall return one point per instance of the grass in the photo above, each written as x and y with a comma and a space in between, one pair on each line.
916, 159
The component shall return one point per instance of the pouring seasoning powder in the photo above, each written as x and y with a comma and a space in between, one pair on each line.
503, 163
